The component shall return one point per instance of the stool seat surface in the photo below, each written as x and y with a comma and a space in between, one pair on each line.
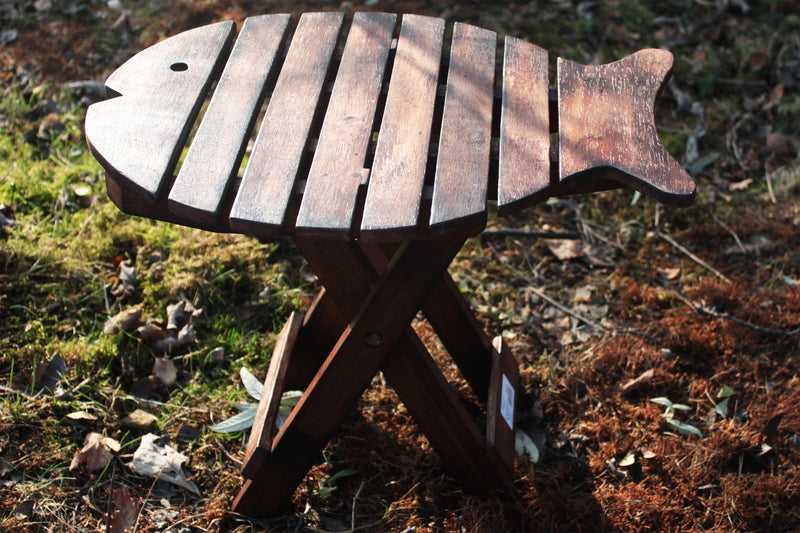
381, 128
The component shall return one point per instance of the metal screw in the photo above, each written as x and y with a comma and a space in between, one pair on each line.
373, 339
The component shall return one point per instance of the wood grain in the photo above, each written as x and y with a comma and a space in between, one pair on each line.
138, 134
524, 169
607, 128
259, 443
391, 209
462, 166
213, 159
337, 171
371, 336
271, 172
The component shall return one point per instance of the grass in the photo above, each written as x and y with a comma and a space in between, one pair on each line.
59, 275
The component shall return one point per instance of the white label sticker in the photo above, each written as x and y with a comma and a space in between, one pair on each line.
507, 403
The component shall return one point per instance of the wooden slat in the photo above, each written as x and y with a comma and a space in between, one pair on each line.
462, 167
501, 406
337, 171
259, 443
607, 128
398, 171
524, 172
139, 134
213, 158
269, 178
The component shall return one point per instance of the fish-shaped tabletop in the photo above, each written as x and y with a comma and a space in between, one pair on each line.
381, 128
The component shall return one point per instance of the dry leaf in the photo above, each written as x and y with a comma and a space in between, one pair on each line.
127, 512
52, 374
138, 419
670, 273
565, 249
81, 415
161, 461
759, 60
149, 388
633, 384
165, 370
96, 452
780, 145
150, 333
128, 320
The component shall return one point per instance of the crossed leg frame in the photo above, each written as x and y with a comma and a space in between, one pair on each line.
360, 324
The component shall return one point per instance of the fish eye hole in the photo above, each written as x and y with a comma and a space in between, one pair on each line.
179, 67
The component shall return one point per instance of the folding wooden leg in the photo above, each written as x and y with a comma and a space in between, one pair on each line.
382, 319
348, 276
455, 324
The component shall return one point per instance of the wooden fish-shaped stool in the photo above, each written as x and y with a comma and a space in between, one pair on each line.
377, 144
390, 138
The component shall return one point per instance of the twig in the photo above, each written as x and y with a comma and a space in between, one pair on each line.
110, 497
729, 230
562, 307
693, 257
353, 510
4, 388
768, 175
536, 234
718, 314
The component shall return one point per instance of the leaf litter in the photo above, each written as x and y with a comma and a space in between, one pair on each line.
673, 329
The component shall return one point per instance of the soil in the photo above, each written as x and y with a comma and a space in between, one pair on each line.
651, 323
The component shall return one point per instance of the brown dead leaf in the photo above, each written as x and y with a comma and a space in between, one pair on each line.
138, 419
637, 382
777, 92
126, 513
780, 145
150, 333
52, 374
565, 249
24, 510
759, 60
149, 388
96, 452
128, 320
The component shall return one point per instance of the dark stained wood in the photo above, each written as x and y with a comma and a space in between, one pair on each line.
438, 411
138, 135
213, 159
320, 331
454, 322
347, 371
410, 369
461, 333
500, 409
271, 171
607, 129
337, 171
260, 441
462, 166
401, 156
524, 171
